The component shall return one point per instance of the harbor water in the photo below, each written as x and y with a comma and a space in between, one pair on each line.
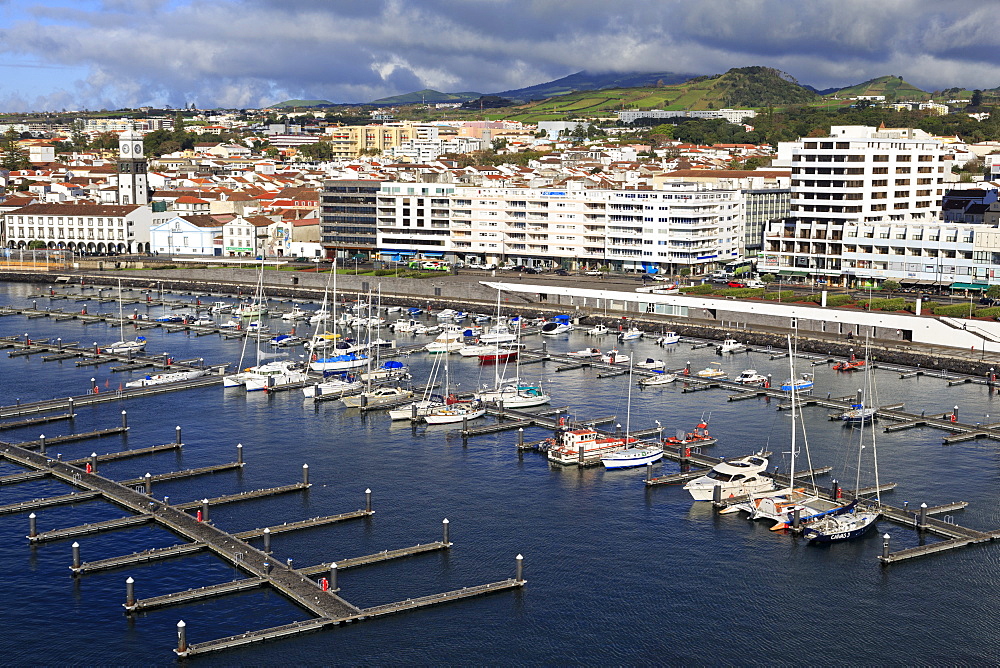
617, 573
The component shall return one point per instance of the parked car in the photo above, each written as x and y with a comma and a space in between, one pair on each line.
661, 277
593, 272
529, 270
736, 284
561, 272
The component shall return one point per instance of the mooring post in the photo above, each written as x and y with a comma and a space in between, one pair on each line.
124, 420
545, 345
618, 431
835, 492
368, 500
305, 475
59, 343
333, 576
32, 525
716, 496
182, 643
519, 569
267, 567
41, 443
860, 395
93, 463
166, 500
954, 414
796, 518
687, 368
129, 593
465, 425
239, 454
70, 404
204, 510
444, 527
500, 410
413, 412
885, 547
177, 431
580, 454
267, 540
520, 438
649, 472
922, 523
76, 555
148, 480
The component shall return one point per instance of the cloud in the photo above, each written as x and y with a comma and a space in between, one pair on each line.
252, 52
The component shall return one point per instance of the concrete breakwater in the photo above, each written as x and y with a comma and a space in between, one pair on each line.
619, 306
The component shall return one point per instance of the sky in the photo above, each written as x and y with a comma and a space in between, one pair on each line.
111, 54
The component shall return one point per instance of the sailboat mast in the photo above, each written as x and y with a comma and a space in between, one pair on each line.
791, 374
628, 406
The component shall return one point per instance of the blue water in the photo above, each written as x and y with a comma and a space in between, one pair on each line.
617, 573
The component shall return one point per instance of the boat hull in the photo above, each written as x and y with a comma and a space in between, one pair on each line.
632, 457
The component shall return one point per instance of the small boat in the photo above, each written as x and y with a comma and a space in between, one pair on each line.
377, 397
446, 314
297, 313
390, 370
498, 355
511, 394
221, 307
698, 436
124, 347
498, 334
668, 338
286, 341
598, 330
586, 353
427, 329
712, 371
803, 383
736, 477
448, 341
417, 409
614, 357
273, 373
637, 455
459, 411
853, 364
163, 378
859, 413
843, 524
658, 378
336, 385
320, 316
560, 324
630, 334
414, 311
651, 364
170, 317
729, 346
751, 377
202, 322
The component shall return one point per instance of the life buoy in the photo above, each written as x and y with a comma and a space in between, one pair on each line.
687, 452
562, 422
687, 371
954, 418
97, 390
840, 493
314, 357
767, 384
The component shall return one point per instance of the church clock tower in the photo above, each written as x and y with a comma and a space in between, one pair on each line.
133, 186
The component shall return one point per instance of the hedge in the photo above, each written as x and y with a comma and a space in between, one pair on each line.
991, 312
839, 300
703, 289
954, 310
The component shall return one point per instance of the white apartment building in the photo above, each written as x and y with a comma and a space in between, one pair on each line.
89, 228
679, 226
857, 179
731, 115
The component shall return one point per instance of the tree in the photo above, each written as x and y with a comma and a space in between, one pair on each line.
993, 292
890, 285
768, 278
321, 150
14, 157
977, 98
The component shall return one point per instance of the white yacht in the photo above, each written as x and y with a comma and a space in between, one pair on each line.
730, 346
736, 477
267, 375
750, 377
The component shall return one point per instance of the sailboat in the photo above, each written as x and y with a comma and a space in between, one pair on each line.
509, 391
428, 402
635, 454
454, 409
374, 396
341, 356
118, 347
858, 517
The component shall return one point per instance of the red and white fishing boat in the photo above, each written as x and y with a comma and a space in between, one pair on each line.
565, 448
698, 436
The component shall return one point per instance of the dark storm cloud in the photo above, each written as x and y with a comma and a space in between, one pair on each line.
251, 52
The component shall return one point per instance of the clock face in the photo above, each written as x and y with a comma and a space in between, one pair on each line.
125, 148
137, 148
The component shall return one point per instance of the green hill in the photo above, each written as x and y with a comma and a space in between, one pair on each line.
301, 103
427, 96
583, 81
894, 89
739, 88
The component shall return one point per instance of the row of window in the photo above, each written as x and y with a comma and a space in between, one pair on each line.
63, 233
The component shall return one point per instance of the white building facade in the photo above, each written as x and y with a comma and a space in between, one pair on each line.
859, 184
87, 228
679, 226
